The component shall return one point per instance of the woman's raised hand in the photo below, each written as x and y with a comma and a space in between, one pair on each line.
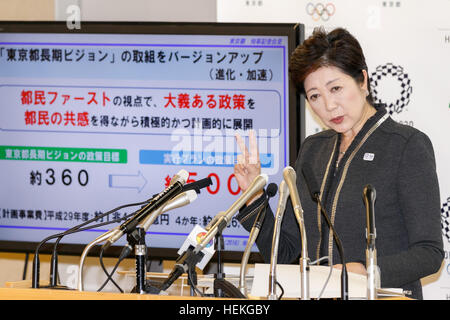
248, 165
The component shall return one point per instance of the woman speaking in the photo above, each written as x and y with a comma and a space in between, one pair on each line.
363, 145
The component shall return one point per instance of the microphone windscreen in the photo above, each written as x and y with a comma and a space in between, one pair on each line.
181, 176
265, 177
192, 195
370, 192
272, 189
184, 175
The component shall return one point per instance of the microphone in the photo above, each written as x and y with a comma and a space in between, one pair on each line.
257, 184
192, 240
194, 255
284, 194
254, 232
203, 183
369, 196
181, 175
188, 192
171, 191
271, 191
290, 176
214, 220
180, 200
187, 259
136, 238
197, 185
59, 236
315, 193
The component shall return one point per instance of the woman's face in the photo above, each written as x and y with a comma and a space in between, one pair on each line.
337, 99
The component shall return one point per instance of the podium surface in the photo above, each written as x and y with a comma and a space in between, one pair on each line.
56, 294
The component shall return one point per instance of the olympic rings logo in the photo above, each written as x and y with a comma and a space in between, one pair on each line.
320, 11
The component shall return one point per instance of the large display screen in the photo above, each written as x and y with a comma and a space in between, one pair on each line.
103, 116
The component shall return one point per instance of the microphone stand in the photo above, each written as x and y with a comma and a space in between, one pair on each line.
254, 232
251, 240
222, 287
140, 252
98, 240
103, 237
284, 193
369, 195
36, 262
371, 262
54, 258
125, 251
220, 275
304, 260
193, 255
290, 177
136, 238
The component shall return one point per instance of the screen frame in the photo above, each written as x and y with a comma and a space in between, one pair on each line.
296, 104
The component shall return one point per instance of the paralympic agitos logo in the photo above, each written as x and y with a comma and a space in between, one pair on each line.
391, 72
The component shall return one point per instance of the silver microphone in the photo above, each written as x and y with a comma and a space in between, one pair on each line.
254, 232
215, 219
119, 231
191, 258
180, 200
181, 175
225, 217
290, 176
369, 195
284, 194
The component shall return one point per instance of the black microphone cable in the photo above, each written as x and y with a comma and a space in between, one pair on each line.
315, 192
98, 225
344, 275
197, 186
124, 253
271, 191
54, 257
282, 290
192, 279
53, 265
